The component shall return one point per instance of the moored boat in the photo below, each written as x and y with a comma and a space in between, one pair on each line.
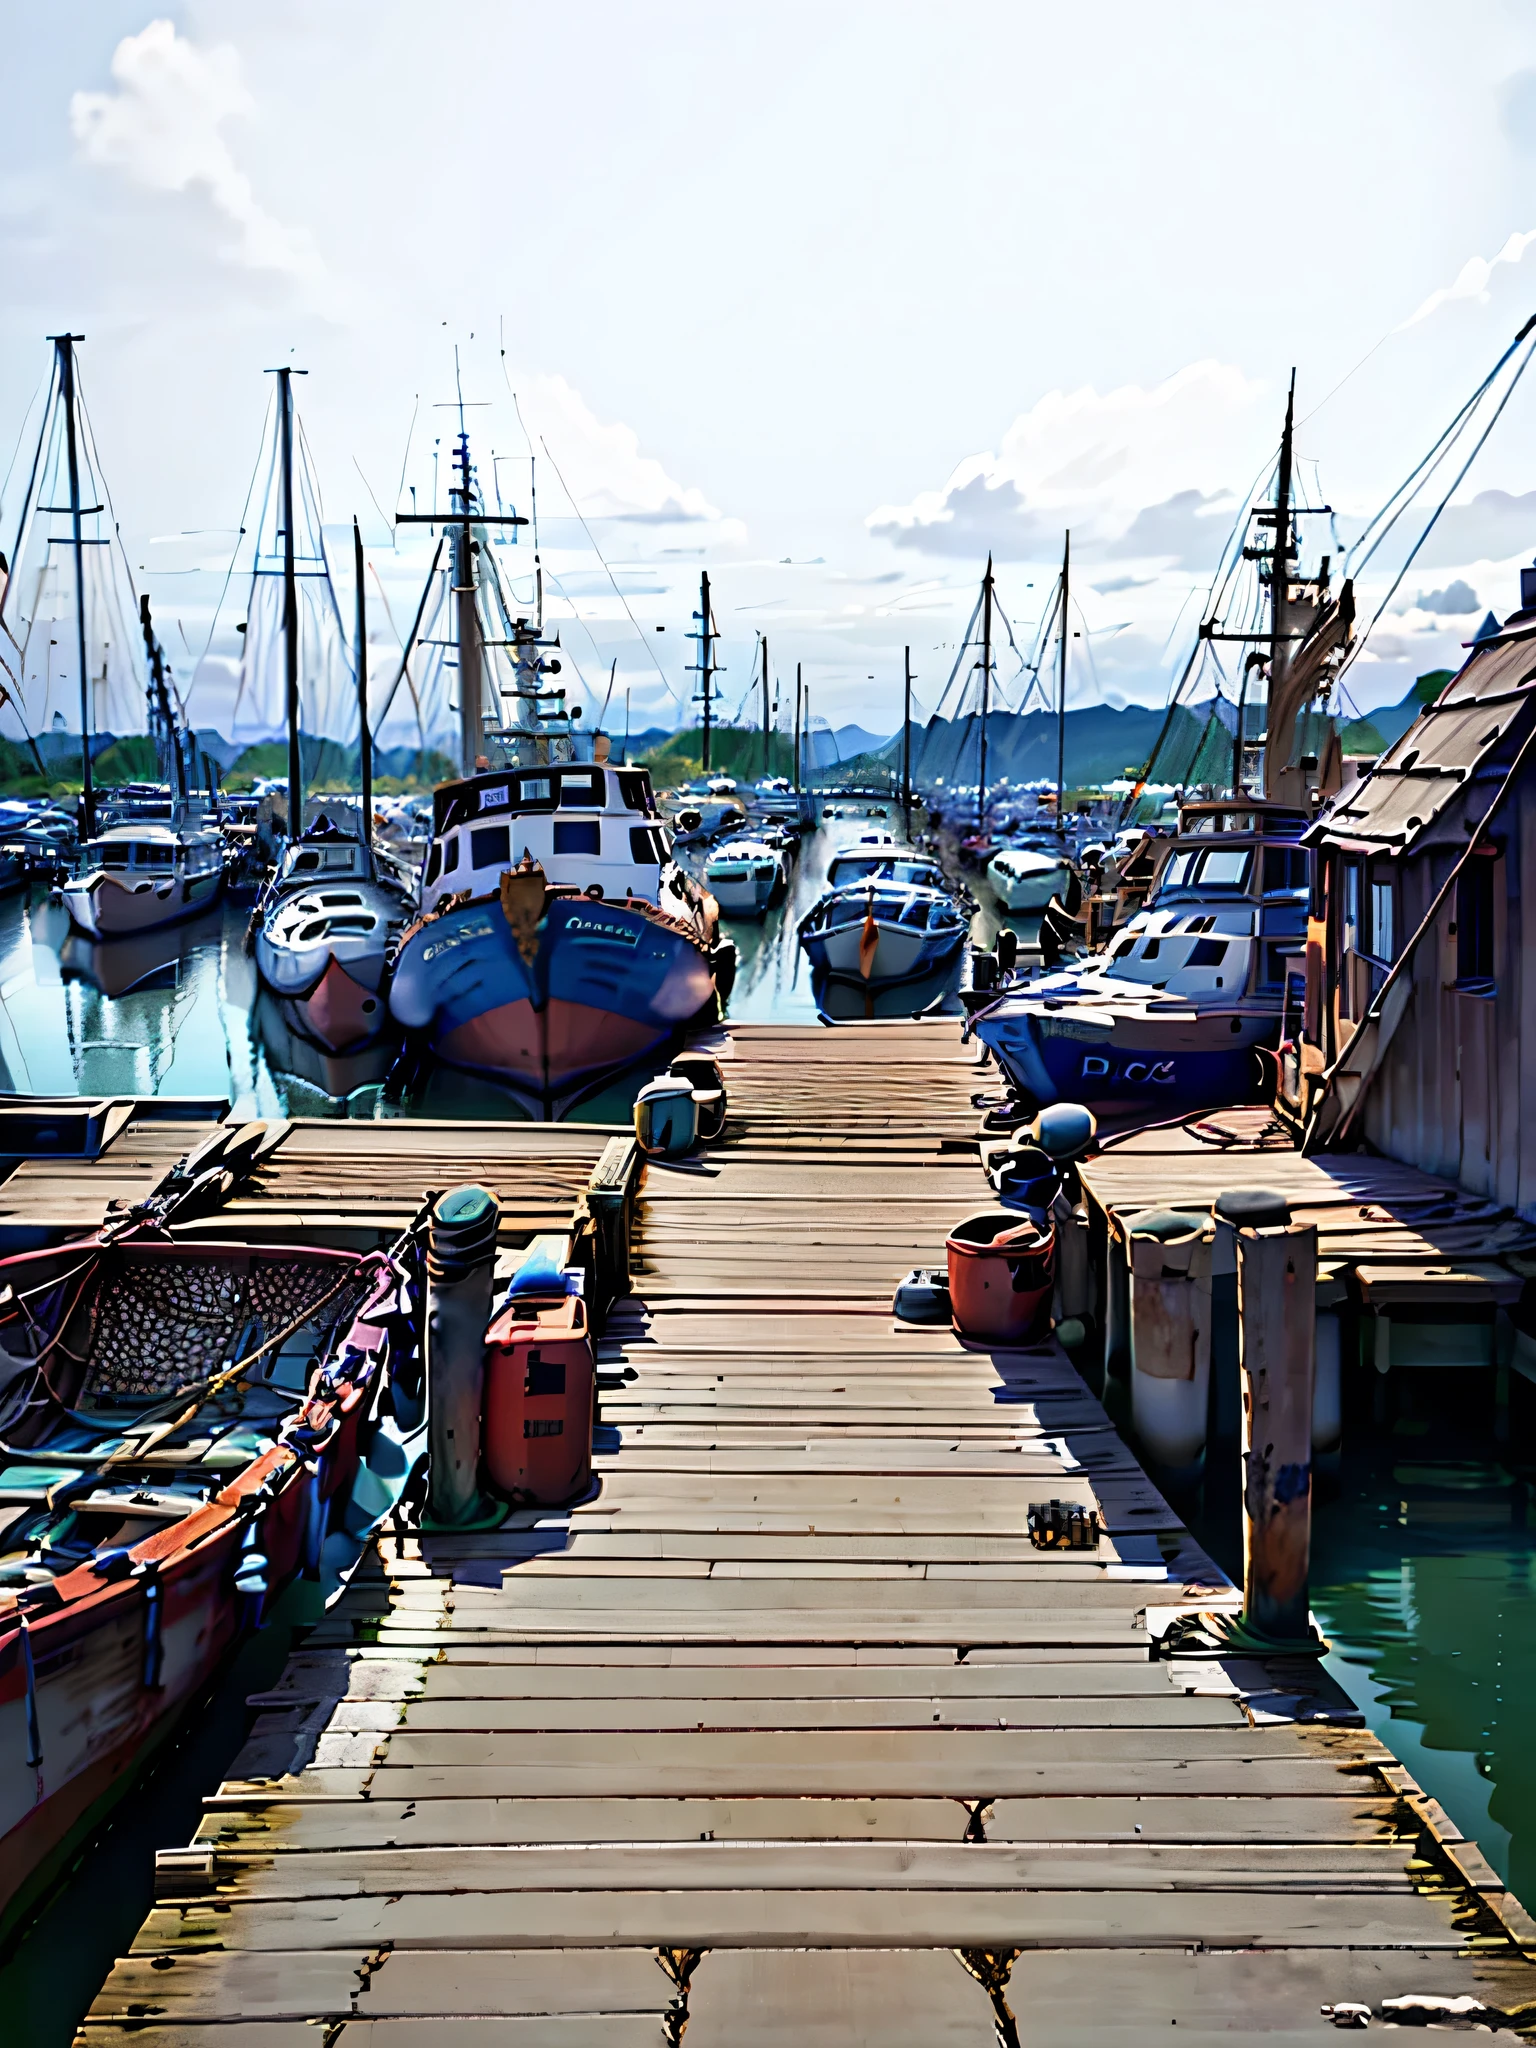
1027, 877
746, 877
136, 876
184, 1430
882, 931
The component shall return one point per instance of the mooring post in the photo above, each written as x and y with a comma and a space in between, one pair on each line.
461, 1253
1277, 1313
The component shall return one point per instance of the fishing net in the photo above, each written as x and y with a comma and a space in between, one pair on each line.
161, 1325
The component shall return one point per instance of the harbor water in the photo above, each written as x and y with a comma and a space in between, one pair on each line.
1424, 1552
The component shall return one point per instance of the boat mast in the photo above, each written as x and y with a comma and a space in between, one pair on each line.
290, 603
364, 737
1279, 577
64, 345
796, 770
162, 697
986, 691
471, 680
767, 766
1061, 688
906, 747
705, 666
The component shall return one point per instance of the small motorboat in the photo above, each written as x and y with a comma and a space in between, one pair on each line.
746, 877
1027, 877
184, 1428
146, 873
326, 928
882, 931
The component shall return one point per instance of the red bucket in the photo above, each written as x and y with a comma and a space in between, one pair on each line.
1002, 1271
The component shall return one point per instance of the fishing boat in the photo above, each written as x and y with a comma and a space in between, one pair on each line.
879, 931
1172, 1012
185, 1426
746, 877
560, 941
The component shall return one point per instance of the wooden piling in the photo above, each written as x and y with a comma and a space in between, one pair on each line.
1277, 1310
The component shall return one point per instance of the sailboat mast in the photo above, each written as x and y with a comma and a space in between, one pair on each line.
162, 695
986, 694
767, 765
906, 746
797, 729
364, 737
64, 344
1061, 687
290, 604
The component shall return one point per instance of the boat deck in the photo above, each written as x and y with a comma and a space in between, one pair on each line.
1403, 1236
787, 1734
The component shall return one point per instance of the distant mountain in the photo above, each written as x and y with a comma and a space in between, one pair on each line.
1103, 742
1378, 729
843, 743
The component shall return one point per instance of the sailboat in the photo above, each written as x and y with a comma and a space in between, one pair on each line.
326, 925
1172, 1013
149, 856
560, 941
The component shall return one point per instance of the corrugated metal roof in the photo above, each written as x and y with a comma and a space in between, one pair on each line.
1418, 775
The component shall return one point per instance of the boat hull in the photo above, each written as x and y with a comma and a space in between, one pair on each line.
1190, 1059
107, 908
902, 952
607, 984
1032, 891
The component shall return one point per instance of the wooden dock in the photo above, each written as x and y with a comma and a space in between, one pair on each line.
787, 1735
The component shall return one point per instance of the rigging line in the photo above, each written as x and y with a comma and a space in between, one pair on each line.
49, 407
20, 437
1455, 486
368, 487
410, 681
612, 672
618, 593
239, 538
533, 486
959, 658
405, 459
560, 591
1454, 427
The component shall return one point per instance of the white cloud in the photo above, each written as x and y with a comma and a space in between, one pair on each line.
1144, 473
1472, 279
602, 465
163, 128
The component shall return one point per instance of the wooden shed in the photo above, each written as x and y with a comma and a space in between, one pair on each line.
1415, 1028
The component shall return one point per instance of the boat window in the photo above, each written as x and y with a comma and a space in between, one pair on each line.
1151, 949
647, 845
158, 857
579, 835
581, 789
635, 792
1285, 871
303, 862
1122, 946
490, 846
1225, 867
435, 861
1176, 873
1207, 953
112, 856
450, 854
536, 792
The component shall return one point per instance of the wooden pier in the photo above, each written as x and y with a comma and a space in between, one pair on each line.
787, 1734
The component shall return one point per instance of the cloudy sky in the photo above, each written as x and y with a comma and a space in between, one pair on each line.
828, 299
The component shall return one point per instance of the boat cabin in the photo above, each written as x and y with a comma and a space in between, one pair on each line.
593, 828
153, 849
1413, 983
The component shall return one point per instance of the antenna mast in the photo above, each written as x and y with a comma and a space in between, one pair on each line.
705, 667
290, 603
906, 747
767, 716
364, 737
